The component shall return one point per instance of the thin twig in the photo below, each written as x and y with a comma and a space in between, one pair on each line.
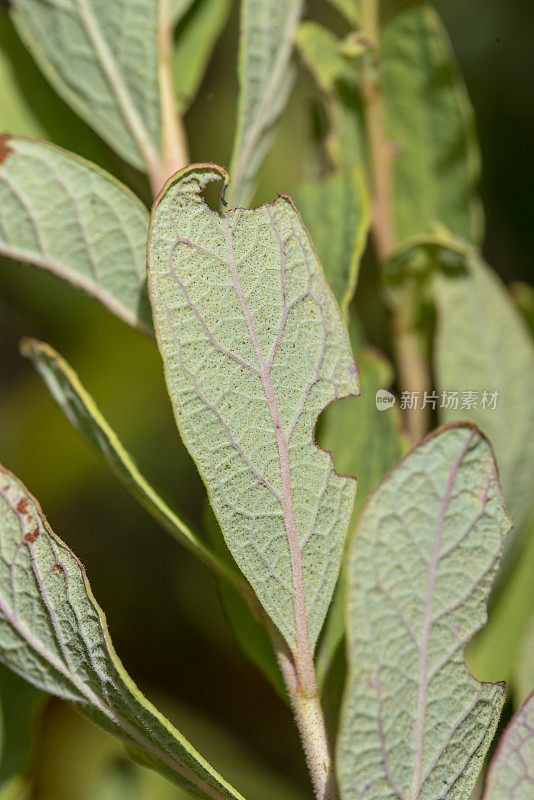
412, 368
174, 141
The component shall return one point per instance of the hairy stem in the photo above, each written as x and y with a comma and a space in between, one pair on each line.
412, 368
309, 717
174, 141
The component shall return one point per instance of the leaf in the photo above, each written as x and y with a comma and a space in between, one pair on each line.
18, 703
523, 295
495, 651
267, 31
511, 772
254, 348
481, 346
375, 442
110, 79
430, 123
99, 246
524, 677
336, 212
428, 120
179, 8
194, 44
250, 631
53, 633
321, 51
348, 8
366, 443
31, 107
84, 415
17, 113
415, 723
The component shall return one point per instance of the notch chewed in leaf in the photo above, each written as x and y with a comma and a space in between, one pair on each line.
416, 724
54, 634
254, 348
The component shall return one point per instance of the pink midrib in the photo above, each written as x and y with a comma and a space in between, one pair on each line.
301, 625
427, 624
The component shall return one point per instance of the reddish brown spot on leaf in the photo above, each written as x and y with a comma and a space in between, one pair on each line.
5, 150
32, 536
22, 505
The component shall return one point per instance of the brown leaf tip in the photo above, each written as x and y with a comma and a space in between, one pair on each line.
5, 149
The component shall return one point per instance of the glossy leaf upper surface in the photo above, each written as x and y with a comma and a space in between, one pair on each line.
415, 723
254, 347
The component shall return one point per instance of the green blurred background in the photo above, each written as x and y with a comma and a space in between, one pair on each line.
162, 606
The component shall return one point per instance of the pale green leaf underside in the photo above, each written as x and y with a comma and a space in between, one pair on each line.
109, 78
67, 216
267, 31
53, 633
83, 413
511, 772
336, 213
416, 725
254, 348
482, 345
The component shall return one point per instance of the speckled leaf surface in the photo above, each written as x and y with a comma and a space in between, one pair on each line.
109, 78
54, 634
415, 724
483, 345
336, 212
254, 348
511, 772
267, 31
100, 244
